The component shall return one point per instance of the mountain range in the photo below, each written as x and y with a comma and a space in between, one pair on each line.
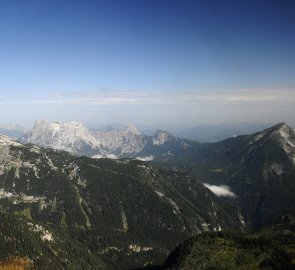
256, 168
140, 195
75, 138
124, 211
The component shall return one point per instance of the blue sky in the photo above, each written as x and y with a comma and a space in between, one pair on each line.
164, 63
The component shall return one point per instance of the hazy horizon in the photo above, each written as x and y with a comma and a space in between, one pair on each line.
246, 126
152, 63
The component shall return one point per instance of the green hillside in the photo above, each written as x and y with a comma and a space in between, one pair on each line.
269, 250
46, 247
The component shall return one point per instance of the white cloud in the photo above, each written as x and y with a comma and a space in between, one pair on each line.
110, 156
240, 95
155, 108
147, 158
233, 96
220, 191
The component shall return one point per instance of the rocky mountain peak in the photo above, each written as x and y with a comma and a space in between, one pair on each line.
276, 129
286, 137
130, 129
280, 125
126, 141
69, 136
284, 130
282, 134
279, 131
161, 136
58, 125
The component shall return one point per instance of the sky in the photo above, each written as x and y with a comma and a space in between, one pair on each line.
162, 63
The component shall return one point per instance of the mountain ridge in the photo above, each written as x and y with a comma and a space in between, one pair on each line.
126, 211
75, 138
134, 212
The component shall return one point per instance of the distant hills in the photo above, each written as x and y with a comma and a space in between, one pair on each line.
11, 130
214, 133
